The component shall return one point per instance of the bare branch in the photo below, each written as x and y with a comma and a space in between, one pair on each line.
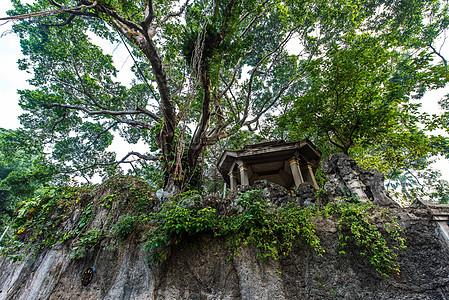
135, 123
116, 163
139, 155
149, 15
97, 112
104, 109
67, 21
438, 53
148, 113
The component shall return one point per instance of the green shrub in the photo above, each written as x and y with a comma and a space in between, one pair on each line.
274, 231
355, 225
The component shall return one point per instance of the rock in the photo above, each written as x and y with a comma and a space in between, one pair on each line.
346, 178
170, 191
200, 268
306, 193
276, 195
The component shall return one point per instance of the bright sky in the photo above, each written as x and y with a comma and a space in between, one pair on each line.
12, 79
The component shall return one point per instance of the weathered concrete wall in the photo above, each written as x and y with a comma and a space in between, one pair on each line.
200, 269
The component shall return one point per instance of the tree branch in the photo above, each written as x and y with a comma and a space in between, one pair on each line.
332, 142
98, 136
174, 14
252, 22
123, 160
136, 123
48, 12
88, 94
264, 110
439, 54
139, 155
148, 113
228, 86
149, 15
99, 112
253, 73
113, 14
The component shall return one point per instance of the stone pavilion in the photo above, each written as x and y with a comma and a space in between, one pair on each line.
288, 164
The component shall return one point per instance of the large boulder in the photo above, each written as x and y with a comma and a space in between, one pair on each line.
346, 178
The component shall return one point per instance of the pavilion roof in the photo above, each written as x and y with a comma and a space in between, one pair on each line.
268, 152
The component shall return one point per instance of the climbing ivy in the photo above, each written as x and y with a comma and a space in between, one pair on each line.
249, 219
356, 225
64, 215
275, 231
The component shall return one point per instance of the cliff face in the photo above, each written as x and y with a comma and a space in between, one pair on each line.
104, 228
200, 268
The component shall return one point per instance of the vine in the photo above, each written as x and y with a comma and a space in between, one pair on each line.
249, 219
355, 224
274, 231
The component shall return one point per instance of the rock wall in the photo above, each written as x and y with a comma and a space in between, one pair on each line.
347, 178
200, 268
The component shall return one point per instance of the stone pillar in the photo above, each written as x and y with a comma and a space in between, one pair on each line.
296, 171
244, 179
232, 180
309, 166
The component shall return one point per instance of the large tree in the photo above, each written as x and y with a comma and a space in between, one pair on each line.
204, 69
362, 94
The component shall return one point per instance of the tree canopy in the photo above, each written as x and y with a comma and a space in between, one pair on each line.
206, 70
23, 170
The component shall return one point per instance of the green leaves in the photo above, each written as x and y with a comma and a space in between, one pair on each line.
356, 218
274, 232
217, 67
23, 170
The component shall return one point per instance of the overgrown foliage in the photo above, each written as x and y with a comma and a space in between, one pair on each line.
50, 218
206, 70
355, 224
64, 215
23, 171
274, 232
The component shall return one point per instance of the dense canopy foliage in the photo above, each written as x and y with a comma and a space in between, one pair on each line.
345, 74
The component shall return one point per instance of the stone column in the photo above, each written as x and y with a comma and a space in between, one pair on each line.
244, 180
296, 171
309, 166
232, 180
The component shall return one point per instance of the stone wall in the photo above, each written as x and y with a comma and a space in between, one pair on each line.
200, 268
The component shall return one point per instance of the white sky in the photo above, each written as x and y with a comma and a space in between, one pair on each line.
12, 79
